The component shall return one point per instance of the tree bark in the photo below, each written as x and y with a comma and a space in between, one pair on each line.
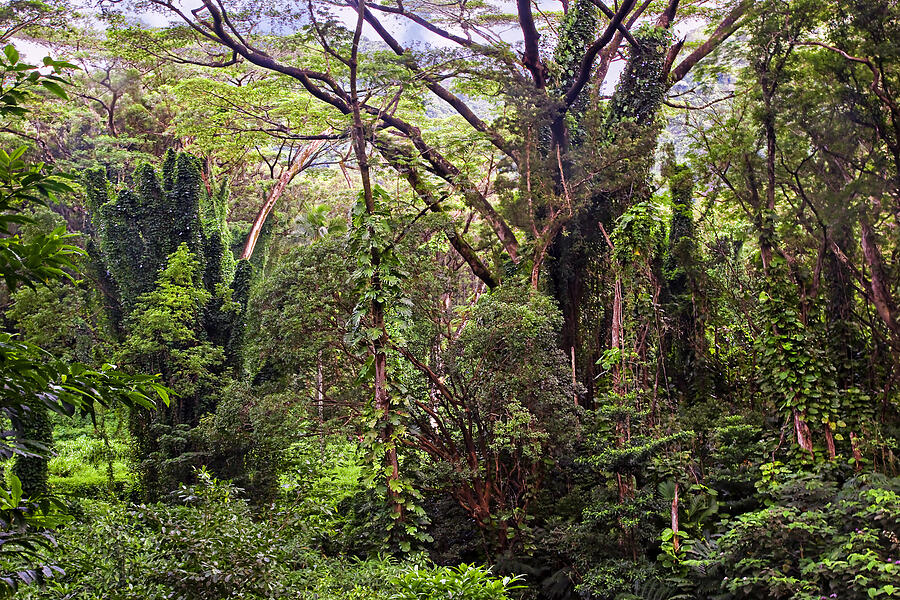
881, 296
287, 175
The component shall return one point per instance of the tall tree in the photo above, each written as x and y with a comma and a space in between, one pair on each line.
559, 184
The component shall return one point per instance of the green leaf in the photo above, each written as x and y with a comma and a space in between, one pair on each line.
15, 488
11, 53
55, 89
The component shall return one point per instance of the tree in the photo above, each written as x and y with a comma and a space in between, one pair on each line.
536, 138
177, 296
501, 411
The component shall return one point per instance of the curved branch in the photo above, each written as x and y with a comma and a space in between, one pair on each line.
302, 160
439, 31
622, 27
440, 91
450, 173
726, 28
402, 162
587, 63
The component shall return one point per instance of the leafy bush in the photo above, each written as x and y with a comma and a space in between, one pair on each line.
814, 539
317, 486
208, 546
209, 543
465, 582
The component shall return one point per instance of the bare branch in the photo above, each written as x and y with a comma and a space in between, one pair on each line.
623, 28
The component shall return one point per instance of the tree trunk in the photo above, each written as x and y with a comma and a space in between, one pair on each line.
287, 175
881, 296
320, 402
617, 334
675, 542
380, 343
801, 431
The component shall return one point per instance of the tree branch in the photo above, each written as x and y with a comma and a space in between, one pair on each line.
440, 91
726, 28
590, 54
532, 57
402, 162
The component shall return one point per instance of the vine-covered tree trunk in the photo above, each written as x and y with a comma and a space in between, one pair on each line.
581, 279
32, 470
177, 296
683, 342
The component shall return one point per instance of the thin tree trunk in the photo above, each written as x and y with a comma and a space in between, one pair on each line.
766, 235
881, 297
675, 543
801, 430
829, 442
617, 333
574, 378
379, 344
300, 163
320, 402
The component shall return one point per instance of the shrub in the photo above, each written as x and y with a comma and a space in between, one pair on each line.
814, 539
208, 543
465, 582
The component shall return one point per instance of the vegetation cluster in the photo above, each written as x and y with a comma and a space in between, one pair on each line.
594, 300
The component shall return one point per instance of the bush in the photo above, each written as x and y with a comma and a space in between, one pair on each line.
206, 547
207, 544
813, 540
465, 582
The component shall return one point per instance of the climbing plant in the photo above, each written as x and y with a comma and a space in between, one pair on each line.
166, 244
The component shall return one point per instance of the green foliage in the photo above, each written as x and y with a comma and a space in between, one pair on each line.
321, 485
316, 222
138, 229
379, 272
247, 438
206, 545
210, 543
506, 372
464, 582
821, 541
46, 256
19, 81
25, 538
797, 374
34, 425
167, 246
752, 303
92, 457
166, 325
506, 365
642, 86
639, 234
